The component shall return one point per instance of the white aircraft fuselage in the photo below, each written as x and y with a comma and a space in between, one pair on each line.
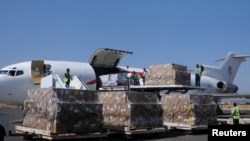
17, 79
14, 87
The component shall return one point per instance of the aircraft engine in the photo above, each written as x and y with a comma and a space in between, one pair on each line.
226, 87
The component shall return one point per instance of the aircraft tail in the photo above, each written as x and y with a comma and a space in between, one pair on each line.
222, 77
231, 65
228, 69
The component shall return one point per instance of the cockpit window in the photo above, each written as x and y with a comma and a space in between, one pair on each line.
3, 71
19, 72
12, 72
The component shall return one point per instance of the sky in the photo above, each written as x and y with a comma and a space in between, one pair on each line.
184, 32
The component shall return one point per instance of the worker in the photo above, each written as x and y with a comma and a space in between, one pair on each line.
235, 114
197, 71
67, 78
144, 75
135, 78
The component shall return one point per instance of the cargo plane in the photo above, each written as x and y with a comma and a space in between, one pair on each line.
16, 79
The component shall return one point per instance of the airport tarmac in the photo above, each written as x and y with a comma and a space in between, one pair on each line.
15, 114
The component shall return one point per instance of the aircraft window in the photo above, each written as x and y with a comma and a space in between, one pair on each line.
12, 72
19, 72
3, 71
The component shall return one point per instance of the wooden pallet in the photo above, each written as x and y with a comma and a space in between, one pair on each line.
45, 134
129, 131
171, 125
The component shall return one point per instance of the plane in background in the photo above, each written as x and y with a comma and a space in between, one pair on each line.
17, 78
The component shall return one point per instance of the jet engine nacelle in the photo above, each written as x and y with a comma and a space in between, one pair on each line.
226, 87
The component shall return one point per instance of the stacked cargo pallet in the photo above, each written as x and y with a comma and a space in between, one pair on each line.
127, 110
188, 111
63, 110
168, 74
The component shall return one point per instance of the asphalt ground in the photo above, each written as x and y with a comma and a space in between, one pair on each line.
15, 114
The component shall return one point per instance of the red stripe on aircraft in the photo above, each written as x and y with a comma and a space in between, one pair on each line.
92, 82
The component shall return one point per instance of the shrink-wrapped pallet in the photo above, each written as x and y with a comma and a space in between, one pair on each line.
167, 74
133, 110
188, 109
63, 110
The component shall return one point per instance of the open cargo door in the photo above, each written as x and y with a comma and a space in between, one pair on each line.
107, 57
105, 60
37, 71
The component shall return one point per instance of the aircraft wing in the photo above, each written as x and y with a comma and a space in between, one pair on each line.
105, 60
168, 88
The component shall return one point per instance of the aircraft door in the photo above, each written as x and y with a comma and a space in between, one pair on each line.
107, 57
105, 60
37, 71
